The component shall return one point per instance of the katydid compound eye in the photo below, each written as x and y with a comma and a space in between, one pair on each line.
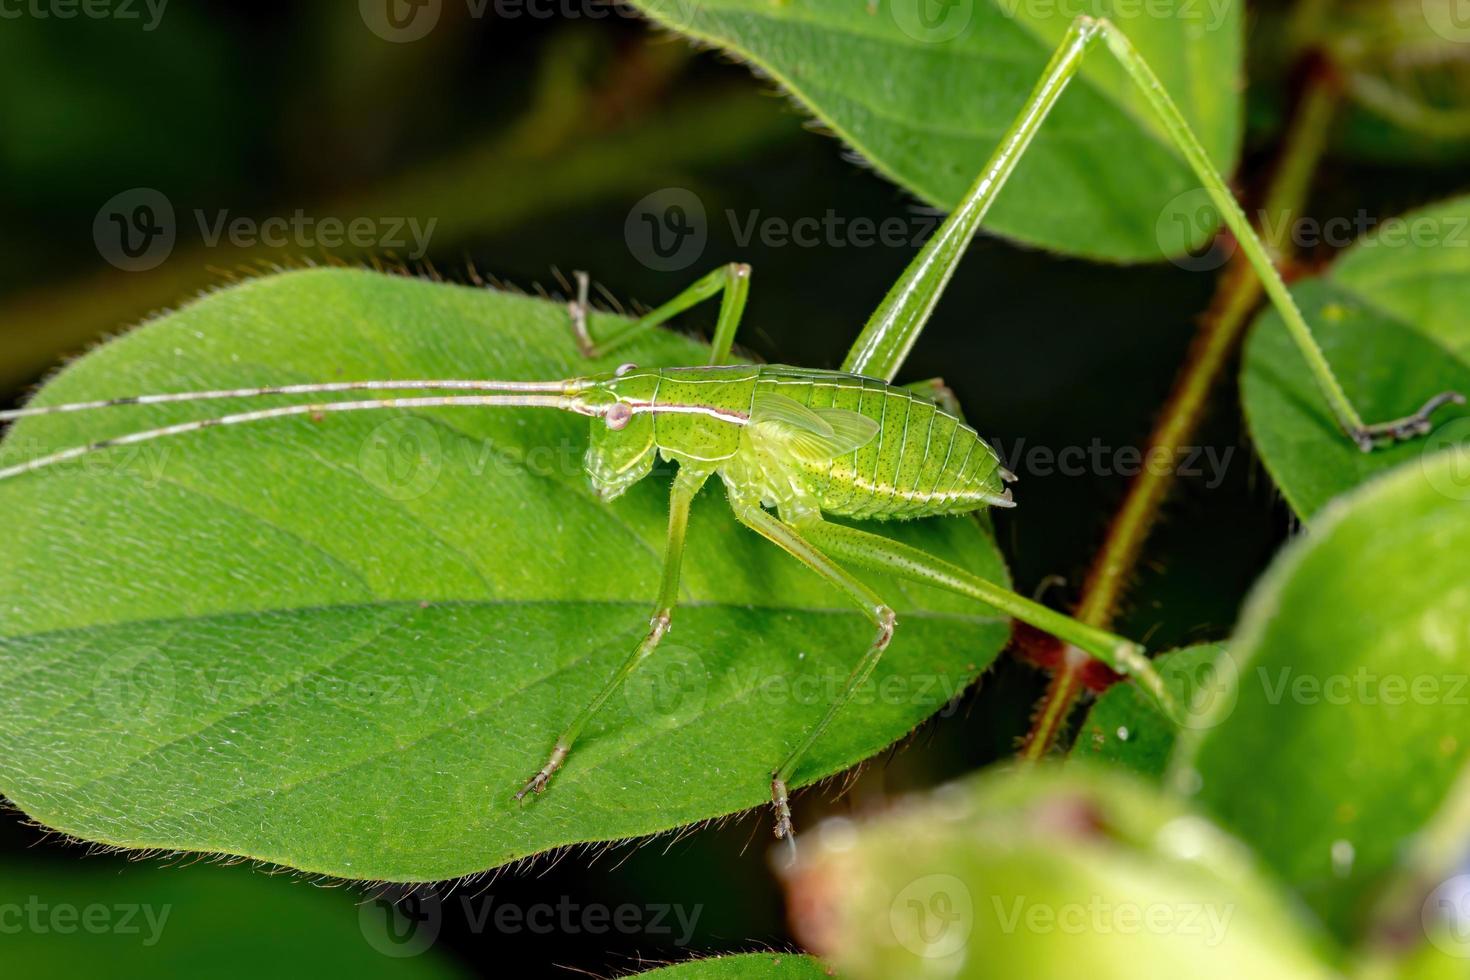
618, 415
624, 369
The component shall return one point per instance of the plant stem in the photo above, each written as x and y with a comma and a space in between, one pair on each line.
1238, 293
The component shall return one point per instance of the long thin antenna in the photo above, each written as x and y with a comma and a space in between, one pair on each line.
522, 397
10, 415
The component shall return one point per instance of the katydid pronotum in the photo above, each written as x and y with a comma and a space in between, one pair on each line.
804, 443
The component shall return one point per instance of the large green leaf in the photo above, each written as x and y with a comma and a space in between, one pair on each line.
1390, 316
1349, 722
747, 966
1032, 873
342, 645
924, 90
147, 922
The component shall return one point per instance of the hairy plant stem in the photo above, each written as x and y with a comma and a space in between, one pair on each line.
1237, 295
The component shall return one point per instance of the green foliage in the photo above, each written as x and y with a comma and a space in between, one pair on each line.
342, 645
1390, 315
1345, 727
1033, 872
149, 922
1101, 179
754, 966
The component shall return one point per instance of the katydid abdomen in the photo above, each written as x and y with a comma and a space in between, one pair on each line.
923, 461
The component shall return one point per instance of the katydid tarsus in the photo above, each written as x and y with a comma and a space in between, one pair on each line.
792, 445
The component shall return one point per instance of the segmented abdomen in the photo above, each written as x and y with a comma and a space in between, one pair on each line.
923, 462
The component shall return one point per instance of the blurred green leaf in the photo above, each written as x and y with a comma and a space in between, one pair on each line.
756, 966
148, 922
1040, 872
924, 89
342, 646
1390, 316
1347, 725
1125, 726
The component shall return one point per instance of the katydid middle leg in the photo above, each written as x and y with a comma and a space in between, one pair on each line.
731, 280
891, 331
687, 483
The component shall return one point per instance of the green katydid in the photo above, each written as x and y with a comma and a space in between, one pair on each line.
806, 443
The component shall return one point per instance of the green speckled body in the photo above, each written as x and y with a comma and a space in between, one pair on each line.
923, 461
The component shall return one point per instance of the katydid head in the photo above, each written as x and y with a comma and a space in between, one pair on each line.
621, 450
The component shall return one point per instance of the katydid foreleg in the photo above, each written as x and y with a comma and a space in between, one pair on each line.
687, 483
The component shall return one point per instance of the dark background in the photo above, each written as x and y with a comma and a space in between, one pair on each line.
530, 138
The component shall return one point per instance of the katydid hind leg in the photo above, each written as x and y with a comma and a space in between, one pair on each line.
874, 551
687, 483
891, 331
884, 344
940, 393
790, 539
1366, 436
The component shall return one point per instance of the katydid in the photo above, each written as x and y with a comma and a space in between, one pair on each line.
793, 445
